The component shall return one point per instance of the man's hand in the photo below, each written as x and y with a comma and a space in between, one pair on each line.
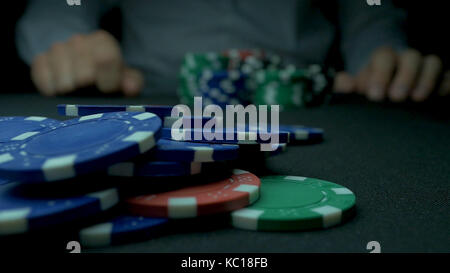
396, 76
85, 60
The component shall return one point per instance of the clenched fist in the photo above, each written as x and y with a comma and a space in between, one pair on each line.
85, 60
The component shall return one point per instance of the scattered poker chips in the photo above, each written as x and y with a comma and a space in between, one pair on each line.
238, 191
78, 146
122, 229
189, 177
22, 211
296, 203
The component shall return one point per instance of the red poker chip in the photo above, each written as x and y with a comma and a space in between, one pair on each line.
236, 192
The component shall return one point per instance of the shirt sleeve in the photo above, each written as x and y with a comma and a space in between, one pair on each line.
45, 22
364, 28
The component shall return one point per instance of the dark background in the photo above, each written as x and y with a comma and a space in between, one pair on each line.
426, 28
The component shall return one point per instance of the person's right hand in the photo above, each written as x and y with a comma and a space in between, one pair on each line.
82, 61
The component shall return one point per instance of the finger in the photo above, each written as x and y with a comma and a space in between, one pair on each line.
431, 69
132, 81
444, 89
83, 67
362, 80
405, 78
61, 68
344, 83
108, 62
382, 70
42, 76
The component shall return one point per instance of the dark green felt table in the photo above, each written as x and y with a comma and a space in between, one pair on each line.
396, 159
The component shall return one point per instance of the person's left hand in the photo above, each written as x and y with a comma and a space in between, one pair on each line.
396, 76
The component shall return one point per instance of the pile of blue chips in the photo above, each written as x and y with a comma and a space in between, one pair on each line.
104, 141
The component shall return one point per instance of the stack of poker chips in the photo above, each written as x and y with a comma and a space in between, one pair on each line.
115, 174
251, 76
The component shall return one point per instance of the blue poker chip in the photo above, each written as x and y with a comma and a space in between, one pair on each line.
154, 169
234, 136
73, 110
121, 230
79, 146
171, 150
300, 133
16, 129
22, 212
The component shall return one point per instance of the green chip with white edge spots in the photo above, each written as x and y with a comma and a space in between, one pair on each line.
292, 203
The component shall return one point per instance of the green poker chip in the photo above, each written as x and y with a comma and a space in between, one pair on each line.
292, 203
192, 67
288, 87
288, 96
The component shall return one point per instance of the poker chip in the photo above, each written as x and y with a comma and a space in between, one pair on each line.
301, 133
287, 87
73, 110
79, 146
224, 87
192, 67
16, 129
228, 136
235, 192
120, 230
296, 203
22, 212
154, 169
170, 150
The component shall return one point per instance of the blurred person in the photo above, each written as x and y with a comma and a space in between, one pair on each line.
67, 50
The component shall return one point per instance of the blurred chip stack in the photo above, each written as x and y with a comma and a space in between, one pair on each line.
251, 76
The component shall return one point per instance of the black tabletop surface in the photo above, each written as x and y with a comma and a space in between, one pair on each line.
396, 159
